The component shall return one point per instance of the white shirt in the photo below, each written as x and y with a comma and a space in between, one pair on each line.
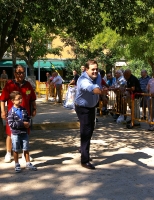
150, 86
57, 80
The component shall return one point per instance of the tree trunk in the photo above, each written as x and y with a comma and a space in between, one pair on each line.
31, 70
151, 63
13, 59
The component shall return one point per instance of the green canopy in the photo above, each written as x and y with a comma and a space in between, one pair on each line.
9, 63
47, 64
50, 64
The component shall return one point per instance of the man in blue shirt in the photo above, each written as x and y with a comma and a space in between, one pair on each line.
144, 79
88, 91
110, 79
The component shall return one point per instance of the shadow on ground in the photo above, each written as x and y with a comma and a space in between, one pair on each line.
124, 161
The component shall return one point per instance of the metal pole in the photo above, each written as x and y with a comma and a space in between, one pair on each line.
39, 70
26, 70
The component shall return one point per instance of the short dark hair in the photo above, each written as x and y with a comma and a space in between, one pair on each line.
90, 62
16, 66
13, 94
102, 72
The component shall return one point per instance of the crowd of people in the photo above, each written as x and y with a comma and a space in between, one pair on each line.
124, 84
92, 85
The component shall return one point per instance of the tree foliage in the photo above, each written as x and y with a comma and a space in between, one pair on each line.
83, 53
128, 17
82, 20
136, 66
62, 14
32, 44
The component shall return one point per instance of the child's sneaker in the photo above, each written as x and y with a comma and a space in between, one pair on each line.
31, 167
7, 158
17, 168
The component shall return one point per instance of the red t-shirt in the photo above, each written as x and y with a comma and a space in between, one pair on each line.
103, 83
27, 92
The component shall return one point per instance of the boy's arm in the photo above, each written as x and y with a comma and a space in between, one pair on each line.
27, 120
14, 124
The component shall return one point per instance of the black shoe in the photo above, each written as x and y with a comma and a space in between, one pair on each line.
88, 165
105, 112
128, 122
111, 113
143, 118
90, 159
129, 126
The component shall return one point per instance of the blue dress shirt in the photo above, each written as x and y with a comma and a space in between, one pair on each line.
85, 86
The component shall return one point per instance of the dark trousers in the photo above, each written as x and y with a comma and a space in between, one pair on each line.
58, 92
87, 120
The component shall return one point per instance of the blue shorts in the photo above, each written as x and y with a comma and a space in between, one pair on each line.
20, 141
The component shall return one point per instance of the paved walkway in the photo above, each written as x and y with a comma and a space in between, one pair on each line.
124, 160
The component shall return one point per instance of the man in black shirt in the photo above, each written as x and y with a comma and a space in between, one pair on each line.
133, 84
75, 78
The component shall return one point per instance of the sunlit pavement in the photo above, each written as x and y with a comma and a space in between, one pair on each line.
124, 161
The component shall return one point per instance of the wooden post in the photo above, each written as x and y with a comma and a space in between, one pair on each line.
132, 108
47, 91
100, 107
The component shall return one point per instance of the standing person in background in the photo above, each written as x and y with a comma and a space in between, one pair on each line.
144, 79
57, 81
4, 78
83, 69
150, 90
75, 78
48, 77
28, 101
88, 91
51, 86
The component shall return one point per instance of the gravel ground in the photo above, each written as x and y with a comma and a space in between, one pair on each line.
124, 161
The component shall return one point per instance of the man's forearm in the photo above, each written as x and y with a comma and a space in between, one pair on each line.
2, 106
99, 91
33, 105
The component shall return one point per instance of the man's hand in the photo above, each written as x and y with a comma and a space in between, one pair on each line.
33, 113
104, 91
26, 124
